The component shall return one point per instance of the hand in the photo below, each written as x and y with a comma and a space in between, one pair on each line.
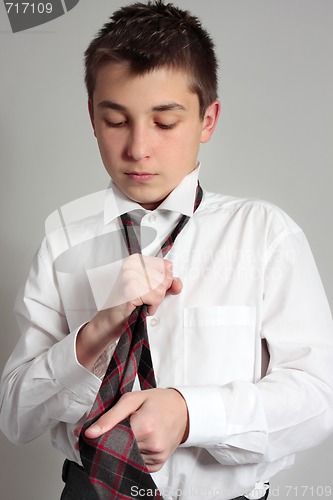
159, 420
142, 280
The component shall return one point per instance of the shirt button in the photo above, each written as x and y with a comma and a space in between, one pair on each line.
153, 322
152, 218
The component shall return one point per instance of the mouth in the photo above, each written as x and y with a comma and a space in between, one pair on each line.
140, 176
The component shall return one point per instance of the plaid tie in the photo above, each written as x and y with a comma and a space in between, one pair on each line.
113, 461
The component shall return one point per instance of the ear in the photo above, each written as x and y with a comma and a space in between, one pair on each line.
210, 120
91, 114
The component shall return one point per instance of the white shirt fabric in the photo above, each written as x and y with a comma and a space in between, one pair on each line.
251, 288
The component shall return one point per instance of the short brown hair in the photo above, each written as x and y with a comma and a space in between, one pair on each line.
154, 35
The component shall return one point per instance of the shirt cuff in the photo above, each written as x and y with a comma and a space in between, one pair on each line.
207, 416
70, 373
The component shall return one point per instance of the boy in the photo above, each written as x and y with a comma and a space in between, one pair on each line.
239, 281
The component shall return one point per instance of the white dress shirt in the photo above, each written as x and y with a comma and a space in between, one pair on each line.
251, 288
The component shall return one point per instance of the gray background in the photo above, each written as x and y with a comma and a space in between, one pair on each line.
273, 141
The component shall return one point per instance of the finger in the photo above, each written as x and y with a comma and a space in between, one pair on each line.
153, 464
158, 274
127, 404
136, 262
147, 279
154, 467
154, 301
176, 286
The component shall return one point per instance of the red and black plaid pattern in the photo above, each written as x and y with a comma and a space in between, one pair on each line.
113, 461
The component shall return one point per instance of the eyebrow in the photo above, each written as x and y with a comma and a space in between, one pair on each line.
172, 106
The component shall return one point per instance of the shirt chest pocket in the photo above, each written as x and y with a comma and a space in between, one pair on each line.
219, 344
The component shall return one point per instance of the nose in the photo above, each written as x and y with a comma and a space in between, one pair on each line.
138, 143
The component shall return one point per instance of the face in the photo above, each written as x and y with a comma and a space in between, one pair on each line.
148, 130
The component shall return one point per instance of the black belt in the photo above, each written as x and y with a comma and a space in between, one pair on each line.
261, 498
78, 485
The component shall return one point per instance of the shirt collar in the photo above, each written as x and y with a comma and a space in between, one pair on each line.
180, 200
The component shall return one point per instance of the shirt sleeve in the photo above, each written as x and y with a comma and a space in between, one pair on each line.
43, 382
291, 407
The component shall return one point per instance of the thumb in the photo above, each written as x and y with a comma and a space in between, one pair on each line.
127, 404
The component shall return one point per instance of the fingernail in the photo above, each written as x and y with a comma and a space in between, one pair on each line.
94, 429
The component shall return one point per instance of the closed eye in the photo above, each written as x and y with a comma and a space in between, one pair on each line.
166, 126
115, 124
